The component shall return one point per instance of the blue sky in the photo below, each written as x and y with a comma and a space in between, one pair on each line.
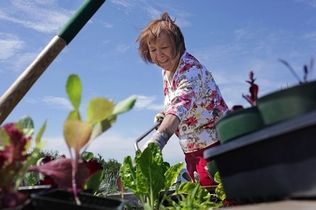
229, 37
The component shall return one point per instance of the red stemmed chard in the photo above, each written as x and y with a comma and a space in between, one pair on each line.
253, 90
78, 134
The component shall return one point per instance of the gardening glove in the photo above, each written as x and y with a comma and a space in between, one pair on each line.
159, 117
159, 138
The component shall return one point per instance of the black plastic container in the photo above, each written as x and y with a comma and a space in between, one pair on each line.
63, 200
276, 162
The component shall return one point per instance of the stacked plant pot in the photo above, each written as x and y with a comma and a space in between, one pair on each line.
267, 150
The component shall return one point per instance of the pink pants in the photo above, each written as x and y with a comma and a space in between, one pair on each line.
196, 162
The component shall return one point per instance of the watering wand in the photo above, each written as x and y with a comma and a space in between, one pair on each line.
144, 135
25, 81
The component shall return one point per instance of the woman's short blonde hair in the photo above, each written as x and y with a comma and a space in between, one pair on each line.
152, 31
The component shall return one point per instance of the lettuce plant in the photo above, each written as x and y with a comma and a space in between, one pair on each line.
15, 142
71, 173
148, 176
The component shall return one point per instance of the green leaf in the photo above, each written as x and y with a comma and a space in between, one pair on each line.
93, 183
4, 138
27, 126
74, 89
219, 190
40, 134
150, 174
102, 126
124, 105
77, 134
74, 115
172, 173
87, 155
99, 109
217, 178
128, 174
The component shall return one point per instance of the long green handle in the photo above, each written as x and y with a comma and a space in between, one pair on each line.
26, 80
79, 19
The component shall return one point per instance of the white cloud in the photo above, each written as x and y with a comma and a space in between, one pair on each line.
122, 48
311, 3
58, 102
311, 36
154, 9
148, 102
10, 45
123, 3
107, 24
243, 33
46, 18
22, 60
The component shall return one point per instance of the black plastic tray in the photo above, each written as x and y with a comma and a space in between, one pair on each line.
274, 163
63, 200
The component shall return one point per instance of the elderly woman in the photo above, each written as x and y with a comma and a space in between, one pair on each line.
192, 103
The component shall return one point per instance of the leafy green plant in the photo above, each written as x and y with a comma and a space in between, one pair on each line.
191, 196
15, 141
79, 133
150, 177
103, 182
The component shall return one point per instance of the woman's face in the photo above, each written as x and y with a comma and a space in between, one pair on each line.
161, 52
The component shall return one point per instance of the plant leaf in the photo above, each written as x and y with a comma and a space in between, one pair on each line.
87, 155
60, 170
102, 126
27, 126
40, 134
99, 109
77, 133
74, 115
149, 173
291, 70
74, 89
128, 174
124, 105
172, 173
4, 138
94, 181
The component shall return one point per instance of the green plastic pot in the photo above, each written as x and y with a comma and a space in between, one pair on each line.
211, 168
238, 123
288, 103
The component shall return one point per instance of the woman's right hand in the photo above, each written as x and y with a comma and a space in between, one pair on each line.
159, 117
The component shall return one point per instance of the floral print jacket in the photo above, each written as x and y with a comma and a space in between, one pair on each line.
195, 99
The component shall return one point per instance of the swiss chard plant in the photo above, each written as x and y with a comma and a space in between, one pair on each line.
191, 195
71, 173
148, 176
